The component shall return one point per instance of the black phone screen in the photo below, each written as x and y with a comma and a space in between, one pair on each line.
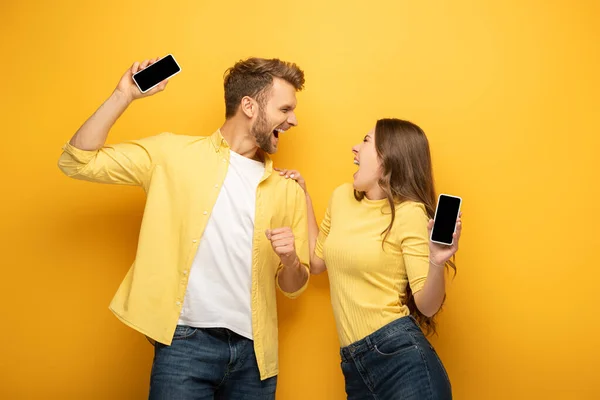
156, 73
445, 219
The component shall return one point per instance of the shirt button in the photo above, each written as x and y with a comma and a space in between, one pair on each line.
178, 303
194, 241
224, 160
205, 212
185, 272
216, 186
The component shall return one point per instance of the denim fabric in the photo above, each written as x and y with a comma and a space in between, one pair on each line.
396, 362
213, 363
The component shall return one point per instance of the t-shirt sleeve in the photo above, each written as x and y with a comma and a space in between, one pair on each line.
414, 244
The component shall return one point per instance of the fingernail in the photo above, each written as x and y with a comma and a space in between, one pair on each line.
292, 175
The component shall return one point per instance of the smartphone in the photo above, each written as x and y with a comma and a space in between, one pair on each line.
446, 214
154, 74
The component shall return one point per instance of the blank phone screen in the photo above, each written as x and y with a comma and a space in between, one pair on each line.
156, 73
445, 219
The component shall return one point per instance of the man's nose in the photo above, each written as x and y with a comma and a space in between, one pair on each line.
292, 120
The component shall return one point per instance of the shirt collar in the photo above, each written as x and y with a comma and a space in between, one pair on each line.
219, 143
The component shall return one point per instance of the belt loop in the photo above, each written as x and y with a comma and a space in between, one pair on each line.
369, 343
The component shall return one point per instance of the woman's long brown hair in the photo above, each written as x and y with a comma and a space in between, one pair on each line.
403, 150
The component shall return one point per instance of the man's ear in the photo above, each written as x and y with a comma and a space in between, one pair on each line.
249, 106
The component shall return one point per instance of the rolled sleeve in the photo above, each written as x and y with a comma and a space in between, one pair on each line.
298, 292
300, 230
126, 163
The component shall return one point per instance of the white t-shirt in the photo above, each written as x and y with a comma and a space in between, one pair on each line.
220, 282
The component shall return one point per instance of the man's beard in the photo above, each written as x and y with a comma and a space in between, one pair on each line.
262, 133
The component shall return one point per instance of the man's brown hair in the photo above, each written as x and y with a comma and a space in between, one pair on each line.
253, 77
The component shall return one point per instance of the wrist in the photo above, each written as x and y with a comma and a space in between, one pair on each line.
121, 97
436, 264
292, 265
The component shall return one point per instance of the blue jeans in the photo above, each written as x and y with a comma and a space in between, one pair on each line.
202, 364
395, 362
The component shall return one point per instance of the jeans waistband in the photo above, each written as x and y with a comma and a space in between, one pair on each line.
368, 342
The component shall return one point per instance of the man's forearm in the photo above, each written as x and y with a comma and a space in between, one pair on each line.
292, 279
92, 134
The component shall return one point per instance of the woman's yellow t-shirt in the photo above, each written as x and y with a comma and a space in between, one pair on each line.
368, 283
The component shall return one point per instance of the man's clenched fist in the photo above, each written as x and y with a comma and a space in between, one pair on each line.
282, 240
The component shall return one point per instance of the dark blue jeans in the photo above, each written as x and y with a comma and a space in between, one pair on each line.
203, 364
395, 362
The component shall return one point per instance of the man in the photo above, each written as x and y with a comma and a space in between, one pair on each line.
220, 232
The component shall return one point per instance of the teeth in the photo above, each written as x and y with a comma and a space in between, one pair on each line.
356, 162
280, 130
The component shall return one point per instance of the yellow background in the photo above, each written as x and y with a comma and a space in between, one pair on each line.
506, 91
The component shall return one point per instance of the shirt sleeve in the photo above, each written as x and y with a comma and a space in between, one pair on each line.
415, 244
300, 230
127, 163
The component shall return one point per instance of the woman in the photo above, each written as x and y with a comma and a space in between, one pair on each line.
386, 276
